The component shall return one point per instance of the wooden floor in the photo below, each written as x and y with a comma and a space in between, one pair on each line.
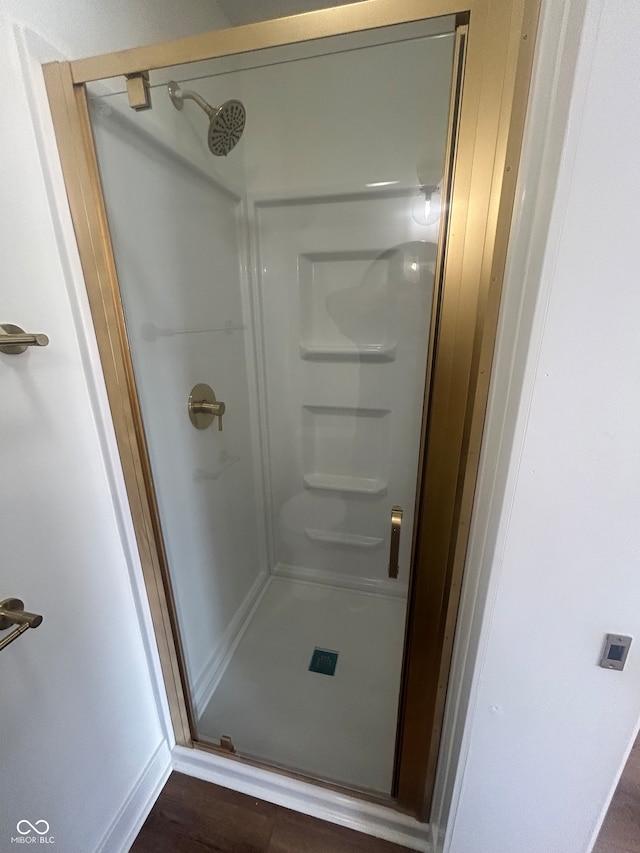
621, 829
192, 816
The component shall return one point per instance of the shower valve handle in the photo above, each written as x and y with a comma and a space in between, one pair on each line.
216, 409
203, 407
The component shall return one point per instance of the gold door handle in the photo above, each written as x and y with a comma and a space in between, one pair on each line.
12, 612
13, 339
394, 547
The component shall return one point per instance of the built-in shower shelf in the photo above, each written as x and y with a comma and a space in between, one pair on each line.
350, 540
349, 485
375, 352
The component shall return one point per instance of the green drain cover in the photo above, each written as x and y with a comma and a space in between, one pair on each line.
323, 661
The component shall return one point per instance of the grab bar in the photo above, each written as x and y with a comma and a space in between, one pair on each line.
12, 612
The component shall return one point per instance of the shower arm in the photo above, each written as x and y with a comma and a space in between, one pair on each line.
187, 94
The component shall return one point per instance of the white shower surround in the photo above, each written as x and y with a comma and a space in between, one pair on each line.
228, 519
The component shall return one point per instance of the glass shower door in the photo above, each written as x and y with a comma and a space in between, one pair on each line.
295, 278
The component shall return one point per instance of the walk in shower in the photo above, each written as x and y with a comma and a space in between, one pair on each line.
295, 278
293, 237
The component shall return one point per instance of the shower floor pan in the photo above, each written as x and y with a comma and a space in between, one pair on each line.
338, 727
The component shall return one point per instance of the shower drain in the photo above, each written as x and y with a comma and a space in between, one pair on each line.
323, 661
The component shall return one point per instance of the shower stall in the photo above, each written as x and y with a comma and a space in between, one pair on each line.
282, 308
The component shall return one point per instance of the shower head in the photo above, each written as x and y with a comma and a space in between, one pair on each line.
226, 123
225, 127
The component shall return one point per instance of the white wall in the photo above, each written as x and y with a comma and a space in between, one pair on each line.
548, 730
82, 727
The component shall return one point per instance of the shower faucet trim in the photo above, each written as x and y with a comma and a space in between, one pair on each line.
203, 407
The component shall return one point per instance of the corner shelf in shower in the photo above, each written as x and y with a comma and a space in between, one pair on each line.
335, 537
375, 352
346, 485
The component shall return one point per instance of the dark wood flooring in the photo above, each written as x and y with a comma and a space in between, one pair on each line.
192, 816
620, 831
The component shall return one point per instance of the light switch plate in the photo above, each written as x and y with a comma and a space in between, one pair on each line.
616, 649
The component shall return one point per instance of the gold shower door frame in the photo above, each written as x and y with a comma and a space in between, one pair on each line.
487, 126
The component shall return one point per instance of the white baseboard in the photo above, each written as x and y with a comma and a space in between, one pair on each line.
396, 589
370, 818
134, 811
213, 670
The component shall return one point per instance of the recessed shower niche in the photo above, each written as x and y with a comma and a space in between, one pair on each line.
346, 449
347, 306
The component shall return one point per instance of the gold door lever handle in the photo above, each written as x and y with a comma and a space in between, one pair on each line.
203, 407
14, 340
394, 547
12, 612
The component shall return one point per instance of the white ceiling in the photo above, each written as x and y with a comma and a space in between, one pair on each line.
248, 11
